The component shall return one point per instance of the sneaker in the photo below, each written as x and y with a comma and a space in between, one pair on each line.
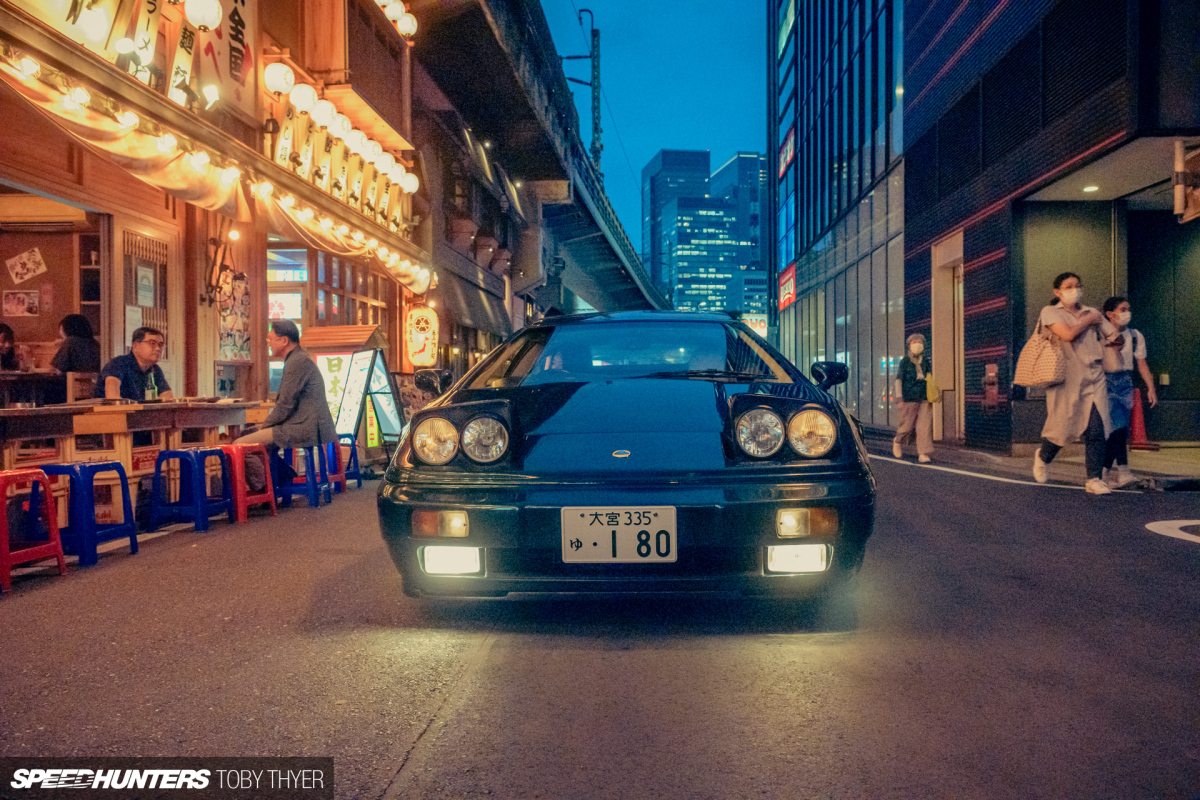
1121, 476
1097, 486
924, 459
1040, 472
896, 451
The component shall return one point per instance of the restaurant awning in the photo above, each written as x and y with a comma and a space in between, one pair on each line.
472, 306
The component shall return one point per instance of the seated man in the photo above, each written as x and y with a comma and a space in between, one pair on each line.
136, 375
301, 415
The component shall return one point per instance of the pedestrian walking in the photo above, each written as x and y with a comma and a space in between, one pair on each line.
916, 412
1123, 347
1077, 407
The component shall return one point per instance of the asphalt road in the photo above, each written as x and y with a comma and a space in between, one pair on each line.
1006, 640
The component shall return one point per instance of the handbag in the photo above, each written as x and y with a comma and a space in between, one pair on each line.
932, 393
1042, 361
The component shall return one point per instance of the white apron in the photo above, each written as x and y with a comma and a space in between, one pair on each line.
1069, 404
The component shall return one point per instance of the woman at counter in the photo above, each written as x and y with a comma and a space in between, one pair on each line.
79, 351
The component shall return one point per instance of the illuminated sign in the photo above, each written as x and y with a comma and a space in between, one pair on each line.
334, 368
757, 323
787, 287
787, 150
421, 336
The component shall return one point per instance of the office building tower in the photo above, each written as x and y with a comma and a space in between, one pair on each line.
837, 191
702, 253
669, 175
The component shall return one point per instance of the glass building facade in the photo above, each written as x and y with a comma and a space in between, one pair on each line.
835, 74
670, 174
703, 253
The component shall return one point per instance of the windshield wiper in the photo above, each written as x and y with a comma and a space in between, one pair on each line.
710, 373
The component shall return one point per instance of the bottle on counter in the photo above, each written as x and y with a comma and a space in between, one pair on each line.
151, 387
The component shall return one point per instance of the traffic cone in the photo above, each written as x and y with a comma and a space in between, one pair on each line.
1137, 426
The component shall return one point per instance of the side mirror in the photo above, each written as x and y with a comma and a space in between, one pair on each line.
828, 374
434, 381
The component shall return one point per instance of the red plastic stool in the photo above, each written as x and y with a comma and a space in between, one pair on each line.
35, 552
337, 467
242, 499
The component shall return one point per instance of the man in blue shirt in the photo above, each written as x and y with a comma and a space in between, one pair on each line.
130, 375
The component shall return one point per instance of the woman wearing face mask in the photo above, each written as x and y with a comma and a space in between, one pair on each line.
916, 412
1077, 407
1123, 346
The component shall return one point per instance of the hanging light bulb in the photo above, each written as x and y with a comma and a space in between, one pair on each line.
212, 94
81, 95
204, 14
306, 214
407, 25
279, 78
29, 68
382, 252
323, 113
409, 183
343, 229
199, 160
234, 235
385, 164
394, 11
372, 243
372, 150
326, 223
288, 201
303, 96
166, 143
128, 119
264, 189
230, 175
341, 126
125, 46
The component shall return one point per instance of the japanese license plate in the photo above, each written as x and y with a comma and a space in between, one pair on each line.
619, 534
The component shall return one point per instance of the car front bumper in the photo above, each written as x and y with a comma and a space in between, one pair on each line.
723, 531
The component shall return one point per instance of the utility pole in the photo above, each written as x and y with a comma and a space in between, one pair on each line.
594, 84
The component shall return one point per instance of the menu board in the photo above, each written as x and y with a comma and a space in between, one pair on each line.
356, 387
333, 367
384, 401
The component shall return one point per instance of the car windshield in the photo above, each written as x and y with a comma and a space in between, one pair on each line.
633, 349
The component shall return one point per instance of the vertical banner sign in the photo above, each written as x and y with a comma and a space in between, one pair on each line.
787, 287
385, 200
312, 142
227, 57
287, 132
421, 336
149, 14
181, 67
354, 196
393, 206
372, 194
322, 158
338, 168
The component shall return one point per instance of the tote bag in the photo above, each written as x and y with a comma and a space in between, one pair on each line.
932, 393
1042, 361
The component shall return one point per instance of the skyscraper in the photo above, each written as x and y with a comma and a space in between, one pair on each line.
741, 182
702, 253
670, 174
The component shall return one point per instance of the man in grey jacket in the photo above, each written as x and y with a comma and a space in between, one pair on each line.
301, 415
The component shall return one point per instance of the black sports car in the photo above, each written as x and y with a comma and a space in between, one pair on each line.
630, 452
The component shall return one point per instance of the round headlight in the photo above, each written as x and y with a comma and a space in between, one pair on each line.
484, 439
435, 441
760, 432
812, 433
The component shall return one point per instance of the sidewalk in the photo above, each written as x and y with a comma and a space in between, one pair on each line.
1174, 467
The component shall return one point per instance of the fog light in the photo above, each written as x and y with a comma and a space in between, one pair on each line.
451, 560
795, 522
427, 522
797, 558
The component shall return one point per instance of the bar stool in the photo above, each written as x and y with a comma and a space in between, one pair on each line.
194, 504
9, 558
242, 499
315, 480
337, 471
351, 470
84, 532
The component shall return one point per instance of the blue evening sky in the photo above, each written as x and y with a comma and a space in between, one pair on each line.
676, 74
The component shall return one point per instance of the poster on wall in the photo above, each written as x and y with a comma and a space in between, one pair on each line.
21, 304
421, 336
26, 265
233, 306
145, 285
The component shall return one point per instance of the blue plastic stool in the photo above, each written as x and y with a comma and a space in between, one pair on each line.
84, 533
314, 486
194, 504
351, 469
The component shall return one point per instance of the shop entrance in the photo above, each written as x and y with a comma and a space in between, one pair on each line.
947, 333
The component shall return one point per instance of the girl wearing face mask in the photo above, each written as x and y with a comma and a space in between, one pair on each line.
916, 412
1123, 347
1077, 407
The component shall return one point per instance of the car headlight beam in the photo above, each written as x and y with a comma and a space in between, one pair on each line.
812, 433
759, 432
485, 439
435, 441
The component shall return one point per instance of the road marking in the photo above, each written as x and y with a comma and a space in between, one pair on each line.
1174, 528
994, 477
